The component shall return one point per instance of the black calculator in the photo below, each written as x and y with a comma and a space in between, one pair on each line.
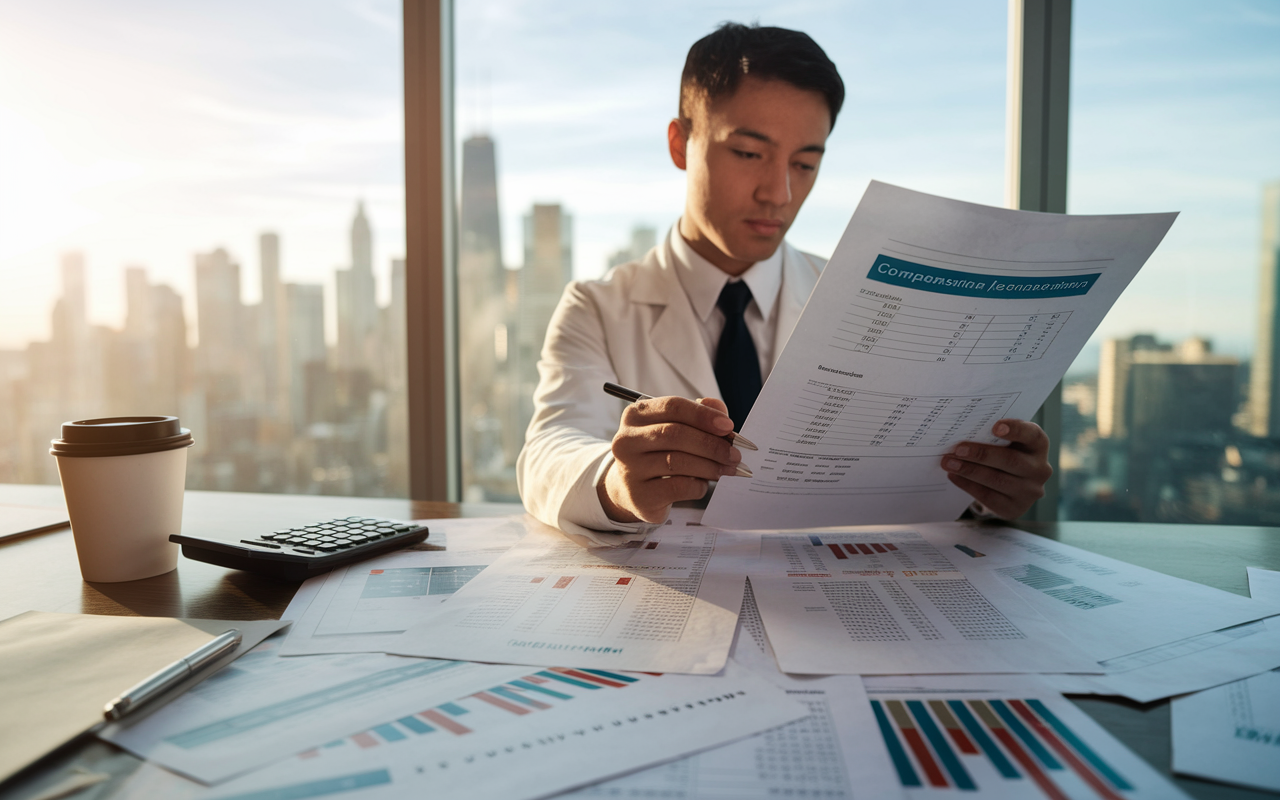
300, 552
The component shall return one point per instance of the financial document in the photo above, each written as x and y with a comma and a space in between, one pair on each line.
933, 319
543, 732
1110, 608
667, 603
969, 742
264, 707
825, 755
886, 600
365, 607
1231, 733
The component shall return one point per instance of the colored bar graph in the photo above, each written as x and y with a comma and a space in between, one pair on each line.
450, 725
906, 774
498, 702
563, 582
365, 740
959, 775
879, 548
815, 541
1086, 774
890, 546
1083, 749
866, 550
416, 725
954, 730
990, 748
453, 708
1033, 744
612, 675
389, 732
566, 679
835, 548
512, 694
909, 732
851, 549
529, 686
1020, 755
589, 677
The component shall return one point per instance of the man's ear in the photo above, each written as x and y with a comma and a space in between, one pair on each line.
678, 141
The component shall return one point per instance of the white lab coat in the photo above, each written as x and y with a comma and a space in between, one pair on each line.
635, 327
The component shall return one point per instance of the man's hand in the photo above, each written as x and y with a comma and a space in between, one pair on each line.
1005, 479
666, 449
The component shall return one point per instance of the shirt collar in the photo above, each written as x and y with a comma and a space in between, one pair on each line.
703, 281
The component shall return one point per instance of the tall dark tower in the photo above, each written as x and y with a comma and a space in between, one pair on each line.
357, 305
485, 382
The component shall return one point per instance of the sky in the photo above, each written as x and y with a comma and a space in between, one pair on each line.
142, 132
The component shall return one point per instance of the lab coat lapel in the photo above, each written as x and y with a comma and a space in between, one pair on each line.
675, 333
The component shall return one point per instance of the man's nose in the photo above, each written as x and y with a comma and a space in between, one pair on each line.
775, 185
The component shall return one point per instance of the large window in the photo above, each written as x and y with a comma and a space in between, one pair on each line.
202, 214
1172, 413
563, 171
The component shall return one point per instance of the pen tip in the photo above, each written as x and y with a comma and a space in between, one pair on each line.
742, 441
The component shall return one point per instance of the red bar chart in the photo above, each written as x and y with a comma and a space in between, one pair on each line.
1003, 747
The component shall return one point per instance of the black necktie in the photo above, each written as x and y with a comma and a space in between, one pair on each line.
737, 364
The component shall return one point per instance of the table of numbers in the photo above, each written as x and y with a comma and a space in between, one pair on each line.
830, 414
896, 330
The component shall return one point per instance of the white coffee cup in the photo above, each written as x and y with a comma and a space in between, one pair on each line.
123, 479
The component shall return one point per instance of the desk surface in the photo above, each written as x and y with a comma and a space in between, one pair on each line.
40, 572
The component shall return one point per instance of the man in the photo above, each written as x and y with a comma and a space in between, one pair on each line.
706, 312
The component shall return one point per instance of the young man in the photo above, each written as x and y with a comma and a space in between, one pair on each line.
756, 107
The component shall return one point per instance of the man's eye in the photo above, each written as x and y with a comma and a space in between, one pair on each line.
745, 154
806, 167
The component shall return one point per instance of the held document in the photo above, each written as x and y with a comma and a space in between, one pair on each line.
933, 319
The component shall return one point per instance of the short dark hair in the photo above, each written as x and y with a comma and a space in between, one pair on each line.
718, 61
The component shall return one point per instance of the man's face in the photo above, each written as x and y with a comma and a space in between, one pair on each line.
751, 160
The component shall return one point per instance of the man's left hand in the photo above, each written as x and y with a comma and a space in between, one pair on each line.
1007, 479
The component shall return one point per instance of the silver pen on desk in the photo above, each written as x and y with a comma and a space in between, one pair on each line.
632, 396
172, 675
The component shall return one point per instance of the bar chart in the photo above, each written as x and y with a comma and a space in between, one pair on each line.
1002, 747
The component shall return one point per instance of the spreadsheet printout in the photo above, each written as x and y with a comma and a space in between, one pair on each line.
366, 607
667, 603
1113, 609
933, 319
878, 601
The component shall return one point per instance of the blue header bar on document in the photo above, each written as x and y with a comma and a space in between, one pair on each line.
897, 272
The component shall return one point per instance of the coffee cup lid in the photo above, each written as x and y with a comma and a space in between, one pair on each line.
120, 436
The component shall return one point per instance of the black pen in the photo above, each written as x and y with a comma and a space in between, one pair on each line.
632, 396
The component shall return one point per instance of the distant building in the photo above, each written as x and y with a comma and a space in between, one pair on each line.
304, 315
220, 322
357, 305
548, 267
1264, 386
643, 239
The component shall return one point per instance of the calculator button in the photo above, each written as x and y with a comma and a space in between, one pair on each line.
325, 540
326, 548
403, 528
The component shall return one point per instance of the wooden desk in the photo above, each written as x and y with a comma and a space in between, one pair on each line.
40, 572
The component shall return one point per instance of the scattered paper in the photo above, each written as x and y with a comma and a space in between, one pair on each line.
667, 603
933, 319
58, 671
955, 734
265, 707
366, 607
1264, 585
1231, 733
886, 600
1110, 608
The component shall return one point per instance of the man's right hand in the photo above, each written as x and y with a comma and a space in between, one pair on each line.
666, 450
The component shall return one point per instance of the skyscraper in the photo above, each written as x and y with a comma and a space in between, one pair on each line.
304, 315
1264, 379
219, 314
482, 311
548, 266
270, 355
643, 238
357, 305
